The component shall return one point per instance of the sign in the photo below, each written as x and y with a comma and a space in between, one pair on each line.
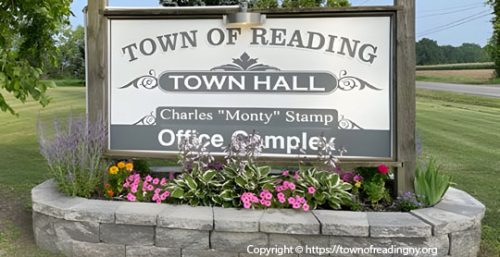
291, 80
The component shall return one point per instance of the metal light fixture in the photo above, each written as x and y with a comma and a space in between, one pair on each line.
243, 18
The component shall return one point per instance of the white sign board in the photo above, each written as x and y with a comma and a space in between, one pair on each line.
292, 80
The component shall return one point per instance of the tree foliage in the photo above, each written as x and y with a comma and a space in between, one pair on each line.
70, 55
261, 4
429, 52
27, 28
494, 48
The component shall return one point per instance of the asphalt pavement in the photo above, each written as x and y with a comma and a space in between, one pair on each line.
490, 91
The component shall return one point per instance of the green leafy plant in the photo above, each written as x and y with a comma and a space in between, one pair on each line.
330, 191
375, 192
374, 187
251, 178
197, 187
430, 185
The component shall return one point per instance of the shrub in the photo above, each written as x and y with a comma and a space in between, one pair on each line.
430, 185
74, 155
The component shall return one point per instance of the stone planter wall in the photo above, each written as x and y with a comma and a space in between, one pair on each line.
81, 227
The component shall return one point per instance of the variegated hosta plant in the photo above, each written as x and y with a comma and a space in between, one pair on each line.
251, 178
197, 187
330, 191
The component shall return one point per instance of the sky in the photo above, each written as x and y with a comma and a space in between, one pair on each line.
449, 22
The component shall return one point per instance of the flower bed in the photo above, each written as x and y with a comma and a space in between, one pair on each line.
77, 226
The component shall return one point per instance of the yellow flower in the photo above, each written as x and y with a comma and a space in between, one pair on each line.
129, 166
357, 184
113, 170
121, 165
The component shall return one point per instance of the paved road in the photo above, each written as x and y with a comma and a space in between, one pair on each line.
491, 91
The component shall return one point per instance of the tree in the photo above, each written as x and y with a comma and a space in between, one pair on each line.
70, 55
496, 35
26, 42
428, 52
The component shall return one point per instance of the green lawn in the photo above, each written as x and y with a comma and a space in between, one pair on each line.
460, 131
463, 134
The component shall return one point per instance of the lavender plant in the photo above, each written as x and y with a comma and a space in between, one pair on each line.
74, 154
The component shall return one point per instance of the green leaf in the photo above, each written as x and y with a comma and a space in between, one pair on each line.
177, 193
191, 183
209, 175
240, 182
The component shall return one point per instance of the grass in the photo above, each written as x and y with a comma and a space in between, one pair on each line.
67, 82
460, 131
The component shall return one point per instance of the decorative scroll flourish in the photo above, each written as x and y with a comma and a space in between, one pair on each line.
348, 83
348, 124
148, 120
245, 63
147, 81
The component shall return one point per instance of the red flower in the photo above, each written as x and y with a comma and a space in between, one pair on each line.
383, 169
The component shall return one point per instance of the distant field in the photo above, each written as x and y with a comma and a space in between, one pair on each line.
458, 66
458, 76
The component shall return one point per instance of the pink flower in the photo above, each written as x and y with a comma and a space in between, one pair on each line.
296, 175
305, 207
131, 197
263, 201
267, 203
155, 197
149, 178
383, 169
291, 200
263, 194
151, 187
255, 199
281, 200
286, 184
156, 181
164, 195
268, 195
281, 195
163, 181
300, 200
296, 205
278, 188
157, 191
285, 173
158, 201
357, 178
311, 190
247, 205
171, 176
291, 186
134, 189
